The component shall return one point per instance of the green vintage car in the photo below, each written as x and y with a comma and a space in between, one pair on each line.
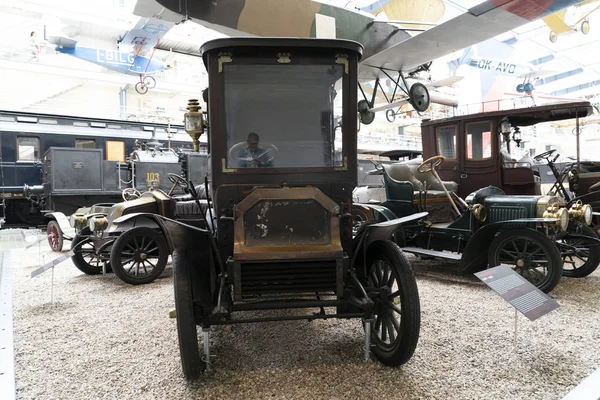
487, 228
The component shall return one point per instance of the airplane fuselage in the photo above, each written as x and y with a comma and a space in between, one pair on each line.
498, 66
123, 62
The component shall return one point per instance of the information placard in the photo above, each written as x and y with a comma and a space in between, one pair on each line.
52, 263
519, 292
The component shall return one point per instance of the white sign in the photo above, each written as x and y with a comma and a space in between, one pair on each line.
52, 263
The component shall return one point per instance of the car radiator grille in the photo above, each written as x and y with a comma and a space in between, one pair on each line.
290, 277
497, 214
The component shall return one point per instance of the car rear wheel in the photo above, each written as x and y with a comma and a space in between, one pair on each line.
581, 256
84, 254
55, 236
139, 255
192, 365
531, 254
397, 312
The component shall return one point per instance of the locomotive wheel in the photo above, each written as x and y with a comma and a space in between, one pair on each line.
531, 254
85, 257
55, 236
139, 255
397, 310
580, 256
191, 364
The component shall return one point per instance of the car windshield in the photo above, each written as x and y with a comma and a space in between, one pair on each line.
283, 115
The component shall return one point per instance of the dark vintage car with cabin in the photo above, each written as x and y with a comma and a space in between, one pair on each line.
281, 198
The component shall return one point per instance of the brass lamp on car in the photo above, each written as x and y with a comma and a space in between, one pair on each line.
555, 211
79, 221
98, 223
194, 122
580, 212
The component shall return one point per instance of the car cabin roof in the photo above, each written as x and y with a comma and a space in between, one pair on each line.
261, 42
527, 116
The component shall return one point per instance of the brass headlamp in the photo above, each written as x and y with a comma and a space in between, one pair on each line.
98, 223
555, 211
79, 221
580, 212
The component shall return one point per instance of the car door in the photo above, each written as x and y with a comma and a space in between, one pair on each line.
446, 146
478, 154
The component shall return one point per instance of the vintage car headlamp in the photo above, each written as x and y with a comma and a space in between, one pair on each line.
561, 213
98, 223
580, 212
78, 221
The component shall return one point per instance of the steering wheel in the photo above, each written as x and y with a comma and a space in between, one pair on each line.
130, 194
545, 154
430, 164
268, 150
178, 180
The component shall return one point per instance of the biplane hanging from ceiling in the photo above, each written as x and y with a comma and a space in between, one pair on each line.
141, 42
388, 49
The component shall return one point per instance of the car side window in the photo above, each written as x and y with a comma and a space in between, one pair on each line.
446, 141
479, 140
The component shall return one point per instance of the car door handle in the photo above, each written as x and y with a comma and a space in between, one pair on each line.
463, 176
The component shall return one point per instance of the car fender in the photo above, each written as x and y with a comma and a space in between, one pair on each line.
381, 213
177, 234
474, 258
64, 224
383, 230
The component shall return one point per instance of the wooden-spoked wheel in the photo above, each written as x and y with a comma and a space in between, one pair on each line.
430, 164
397, 312
531, 254
85, 257
139, 255
55, 236
581, 256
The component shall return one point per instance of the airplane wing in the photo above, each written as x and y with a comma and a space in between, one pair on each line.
556, 23
443, 82
62, 41
482, 22
145, 34
536, 74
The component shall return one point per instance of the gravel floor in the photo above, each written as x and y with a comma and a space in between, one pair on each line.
103, 339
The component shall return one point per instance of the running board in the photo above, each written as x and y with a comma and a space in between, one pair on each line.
432, 253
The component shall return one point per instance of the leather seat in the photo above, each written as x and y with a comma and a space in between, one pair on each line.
409, 173
200, 189
190, 208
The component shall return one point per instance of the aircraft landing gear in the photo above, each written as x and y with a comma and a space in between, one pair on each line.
553, 37
525, 88
145, 83
585, 27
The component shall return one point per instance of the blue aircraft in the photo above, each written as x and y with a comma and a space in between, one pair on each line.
143, 38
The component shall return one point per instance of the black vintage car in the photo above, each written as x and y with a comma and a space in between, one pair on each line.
281, 196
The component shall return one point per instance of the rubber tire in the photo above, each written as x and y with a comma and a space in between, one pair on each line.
411, 306
59, 246
121, 242
555, 267
592, 262
78, 260
141, 88
192, 365
585, 27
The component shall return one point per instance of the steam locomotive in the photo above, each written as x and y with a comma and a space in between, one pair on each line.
60, 163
